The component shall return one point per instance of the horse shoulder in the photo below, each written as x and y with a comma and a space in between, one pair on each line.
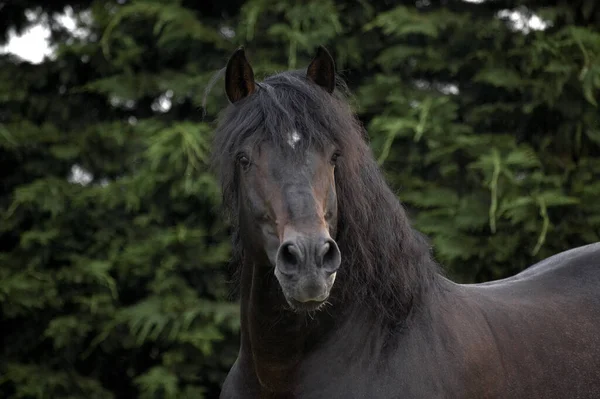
546, 315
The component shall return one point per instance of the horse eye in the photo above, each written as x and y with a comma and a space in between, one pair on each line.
244, 162
335, 157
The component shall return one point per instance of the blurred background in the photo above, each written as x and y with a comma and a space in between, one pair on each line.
114, 278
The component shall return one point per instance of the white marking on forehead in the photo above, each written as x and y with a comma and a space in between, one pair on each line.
293, 138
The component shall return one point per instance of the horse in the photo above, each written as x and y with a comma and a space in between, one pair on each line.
340, 297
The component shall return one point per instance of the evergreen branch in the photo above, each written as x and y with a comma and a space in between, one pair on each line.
545, 224
494, 189
425, 107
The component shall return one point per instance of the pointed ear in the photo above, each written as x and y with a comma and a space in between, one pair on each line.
239, 77
322, 70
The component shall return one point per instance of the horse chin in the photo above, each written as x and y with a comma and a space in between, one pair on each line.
301, 307
305, 295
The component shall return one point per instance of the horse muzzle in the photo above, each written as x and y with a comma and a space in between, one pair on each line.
306, 266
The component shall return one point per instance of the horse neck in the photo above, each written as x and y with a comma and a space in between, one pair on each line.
275, 338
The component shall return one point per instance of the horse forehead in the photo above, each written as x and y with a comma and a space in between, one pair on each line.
284, 165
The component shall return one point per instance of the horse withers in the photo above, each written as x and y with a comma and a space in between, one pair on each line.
340, 297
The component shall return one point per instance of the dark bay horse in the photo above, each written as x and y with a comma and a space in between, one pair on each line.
341, 298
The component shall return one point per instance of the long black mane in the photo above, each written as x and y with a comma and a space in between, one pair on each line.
386, 265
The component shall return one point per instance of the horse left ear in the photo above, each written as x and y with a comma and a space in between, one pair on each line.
239, 77
322, 70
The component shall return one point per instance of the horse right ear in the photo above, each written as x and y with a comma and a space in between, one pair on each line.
239, 77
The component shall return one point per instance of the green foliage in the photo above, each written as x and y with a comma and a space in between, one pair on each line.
115, 284
113, 254
489, 123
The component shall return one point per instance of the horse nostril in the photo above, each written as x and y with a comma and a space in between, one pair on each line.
290, 254
289, 258
330, 256
324, 249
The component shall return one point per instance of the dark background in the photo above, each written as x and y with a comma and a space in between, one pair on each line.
113, 253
